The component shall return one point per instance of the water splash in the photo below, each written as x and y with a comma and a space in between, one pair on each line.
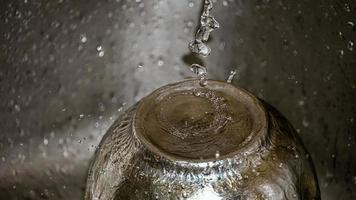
207, 24
201, 71
231, 76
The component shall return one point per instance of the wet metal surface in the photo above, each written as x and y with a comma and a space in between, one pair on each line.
69, 68
255, 155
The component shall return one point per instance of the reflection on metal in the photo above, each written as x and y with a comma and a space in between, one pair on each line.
185, 141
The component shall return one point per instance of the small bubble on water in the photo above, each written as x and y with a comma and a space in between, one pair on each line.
45, 141
184, 194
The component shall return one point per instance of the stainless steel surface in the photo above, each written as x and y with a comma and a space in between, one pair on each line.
59, 93
194, 149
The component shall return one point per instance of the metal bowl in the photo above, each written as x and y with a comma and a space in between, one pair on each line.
185, 141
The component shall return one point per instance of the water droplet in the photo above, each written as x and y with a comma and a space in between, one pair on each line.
198, 69
347, 8
160, 62
100, 51
351, 24
217, 154
207, 24
65, 153
83, 38
199, 48
140, 67
301, 103
201, 71
45, 141
350, 45
231, 76
184, 194
17, 108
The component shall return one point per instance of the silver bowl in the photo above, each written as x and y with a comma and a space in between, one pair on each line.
184, 141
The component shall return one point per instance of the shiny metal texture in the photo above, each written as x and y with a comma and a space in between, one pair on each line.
68, 69
248, 151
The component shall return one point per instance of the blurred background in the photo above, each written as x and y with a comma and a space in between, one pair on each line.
69, 68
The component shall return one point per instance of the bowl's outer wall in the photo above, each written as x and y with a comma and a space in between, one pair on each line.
58, 96
279, 167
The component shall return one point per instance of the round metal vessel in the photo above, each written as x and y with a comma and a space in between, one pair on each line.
185, 141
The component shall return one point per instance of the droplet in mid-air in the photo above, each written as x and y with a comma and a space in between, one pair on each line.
231, 76
207, 24
199, 48
201, 71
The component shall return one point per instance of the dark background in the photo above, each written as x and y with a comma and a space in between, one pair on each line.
59, 91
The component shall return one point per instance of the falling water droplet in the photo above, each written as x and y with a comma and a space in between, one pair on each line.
231, 76
201, 71
350, 45
199, 48
207, 24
